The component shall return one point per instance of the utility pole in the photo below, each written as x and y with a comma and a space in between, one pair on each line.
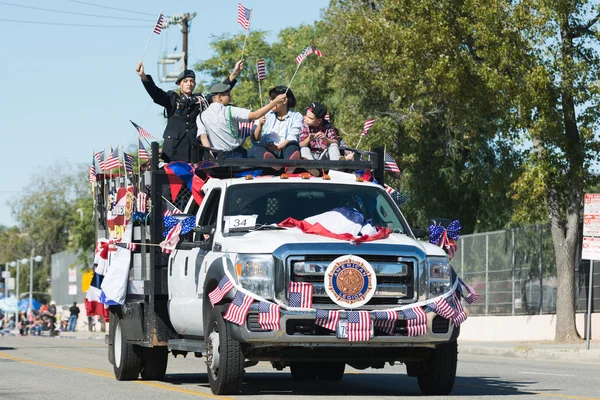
185, 29
185, 21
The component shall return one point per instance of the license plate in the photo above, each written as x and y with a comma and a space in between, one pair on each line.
342, 329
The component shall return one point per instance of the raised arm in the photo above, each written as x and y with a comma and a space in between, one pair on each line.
158, 95
281, 99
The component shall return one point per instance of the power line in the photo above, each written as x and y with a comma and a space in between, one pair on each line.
73, 13
112, 8
81, 25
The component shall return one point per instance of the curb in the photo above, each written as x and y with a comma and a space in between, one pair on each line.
570, 355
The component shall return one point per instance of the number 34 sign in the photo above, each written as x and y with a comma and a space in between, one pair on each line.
240, 222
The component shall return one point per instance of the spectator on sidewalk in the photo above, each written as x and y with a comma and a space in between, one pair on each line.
91, 323
73, 317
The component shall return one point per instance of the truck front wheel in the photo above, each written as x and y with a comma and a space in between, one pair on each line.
224, 357
441, 370
128, 357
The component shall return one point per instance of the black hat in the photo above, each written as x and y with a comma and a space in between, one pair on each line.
188, 73
219, 88
318, 109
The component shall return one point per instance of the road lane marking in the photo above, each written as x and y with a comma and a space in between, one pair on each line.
107, 374
542, 373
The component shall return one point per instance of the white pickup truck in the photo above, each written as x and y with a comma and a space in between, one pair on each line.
287, 296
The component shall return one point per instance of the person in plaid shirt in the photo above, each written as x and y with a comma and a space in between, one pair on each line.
318, 137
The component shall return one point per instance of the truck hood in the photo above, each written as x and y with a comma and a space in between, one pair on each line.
269, 241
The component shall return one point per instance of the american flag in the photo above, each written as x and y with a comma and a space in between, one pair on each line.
442, 308
447, 244
260, 69
141, 131
368, 124
142, 153
170, 209
386, 321
159, 24
301, 294
244, 16
308, 51
414, 328
170, 242
224, 287
238, 308
92, 174
113, 160
245, 128
359, 326
398, 198
128, 246
100, 158
142, 201
389, 164
456, 303
416, 313
128, 162
471, 293
268, 315
328, 319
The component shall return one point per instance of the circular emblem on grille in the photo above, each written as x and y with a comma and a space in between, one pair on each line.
350, 281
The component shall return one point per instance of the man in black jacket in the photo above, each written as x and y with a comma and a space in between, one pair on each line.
181, 111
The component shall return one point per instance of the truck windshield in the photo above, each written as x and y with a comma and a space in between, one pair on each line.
275, 202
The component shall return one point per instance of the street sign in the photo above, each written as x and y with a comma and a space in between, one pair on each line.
591, 248
591, 227
72, 274
72, 290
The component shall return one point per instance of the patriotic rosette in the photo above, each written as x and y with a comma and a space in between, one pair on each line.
448, 305
445, 237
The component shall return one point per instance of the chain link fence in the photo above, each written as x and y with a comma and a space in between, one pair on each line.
514, 271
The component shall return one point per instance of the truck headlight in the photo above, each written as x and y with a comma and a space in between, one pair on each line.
439, 276
255, 273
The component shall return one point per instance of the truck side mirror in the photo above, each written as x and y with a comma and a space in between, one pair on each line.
419, 233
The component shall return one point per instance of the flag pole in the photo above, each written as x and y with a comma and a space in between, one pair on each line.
139, 168
357, 144
94, 164
149, 39
293, 76
259, 88
247, 32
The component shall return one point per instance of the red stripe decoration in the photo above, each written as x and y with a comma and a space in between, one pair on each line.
368, 124
268, 315
301, 294
456, 303
416, 321
414, 328
168, 245
238, 308
328, 319
243, 16
442, 308
159, 24
224, 287
141, 202
359, 326
260, 69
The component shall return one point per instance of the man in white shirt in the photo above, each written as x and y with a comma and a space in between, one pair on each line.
218, 126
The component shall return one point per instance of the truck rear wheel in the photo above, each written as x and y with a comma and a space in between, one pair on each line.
224, 357
155, 363
441, 370
128, 357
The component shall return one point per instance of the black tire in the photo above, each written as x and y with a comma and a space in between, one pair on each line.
304, 371
331, 371
441, 370
128, 357
155, 363
228, 374
112, 317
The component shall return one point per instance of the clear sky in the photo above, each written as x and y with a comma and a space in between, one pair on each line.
69, 82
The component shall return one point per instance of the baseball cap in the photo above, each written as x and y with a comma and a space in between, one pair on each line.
318, 109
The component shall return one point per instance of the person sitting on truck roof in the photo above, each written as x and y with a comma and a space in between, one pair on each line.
276, 136
181, 110
318, 137
218, 126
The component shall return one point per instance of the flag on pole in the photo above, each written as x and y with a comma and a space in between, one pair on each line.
245, 128
456, 303
171, 240
128, 162
159, 25
128, 246
328, 319
389, 164
113, 160
142, 153
398, 198
301, 294
386, 321
359, 326
141, 131
170, 209
100, 158
92, 174
260, 68
471, 295
224, 287
268, 315
308, 51
243, 16
368, 124
238, 308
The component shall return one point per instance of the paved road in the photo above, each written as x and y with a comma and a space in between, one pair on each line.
55, 368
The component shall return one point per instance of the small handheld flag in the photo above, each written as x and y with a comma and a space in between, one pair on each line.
368, 124
142, 153
141, 131
389, 164
92, 174
308, 51
260, 70
159, 24
244, 16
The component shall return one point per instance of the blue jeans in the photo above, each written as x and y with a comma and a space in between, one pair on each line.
72, 323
